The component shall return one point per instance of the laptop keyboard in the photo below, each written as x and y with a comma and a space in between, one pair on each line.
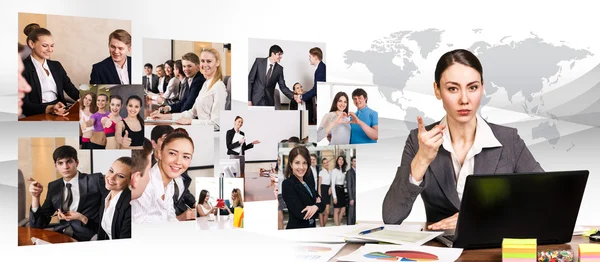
449, 237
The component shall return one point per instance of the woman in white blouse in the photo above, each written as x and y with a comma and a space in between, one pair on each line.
115, 211
336, 124
176, 76
156, 203
338, 178
324, 190
212, 96
87, 107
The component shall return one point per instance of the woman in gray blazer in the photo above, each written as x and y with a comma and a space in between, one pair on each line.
437, 158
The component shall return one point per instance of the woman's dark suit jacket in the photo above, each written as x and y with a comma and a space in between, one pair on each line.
438, 188
297, 198
32, 102
121, 224
230, 146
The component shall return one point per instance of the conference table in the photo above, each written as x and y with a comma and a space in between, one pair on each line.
72, 116
258, 188
489, 254
26, 233
215, 222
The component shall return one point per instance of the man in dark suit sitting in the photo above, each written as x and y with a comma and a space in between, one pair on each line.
75, 198
115, 69
264, 75
191, 86
150, 80
315, 58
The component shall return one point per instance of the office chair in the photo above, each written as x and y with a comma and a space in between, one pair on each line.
22, 198
227, 80
277, 99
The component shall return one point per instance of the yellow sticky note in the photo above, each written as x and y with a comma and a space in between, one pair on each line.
238, 217
519, 241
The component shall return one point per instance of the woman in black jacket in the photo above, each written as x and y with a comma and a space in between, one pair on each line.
236, 149
115, 208
302, 200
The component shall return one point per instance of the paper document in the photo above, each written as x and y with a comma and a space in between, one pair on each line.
150, 120
373, 252
316, 251
236, 138
395, 234
37, 241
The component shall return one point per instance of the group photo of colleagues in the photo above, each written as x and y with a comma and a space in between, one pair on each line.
267, 73
438, 157
75, 205
111, 117
341, 125
334, 184
54, 95
187, 89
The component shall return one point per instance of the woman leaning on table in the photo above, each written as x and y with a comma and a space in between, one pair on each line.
302, 201
437, 158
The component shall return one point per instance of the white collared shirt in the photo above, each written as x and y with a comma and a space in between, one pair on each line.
109, 213
273, 68
208, 105
484, 138
74, 191
314, 171
123, 73
151, 207
325, 177
161, 81
47, 83
337, 179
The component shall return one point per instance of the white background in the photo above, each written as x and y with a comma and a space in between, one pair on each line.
296, 67
337, 23
103, 159
203, 138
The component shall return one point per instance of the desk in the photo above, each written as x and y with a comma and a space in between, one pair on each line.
26, 233
219, 223
490, 254
72, 116
257, 188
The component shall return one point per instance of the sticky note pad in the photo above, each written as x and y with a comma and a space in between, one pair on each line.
589, 252
238, 217
514, 249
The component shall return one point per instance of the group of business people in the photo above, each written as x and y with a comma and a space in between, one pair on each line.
88, 206
267, 72
197, 98
48, 80
307, 191
341, 127
102, 126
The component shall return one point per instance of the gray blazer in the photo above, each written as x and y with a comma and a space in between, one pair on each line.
261, 93
438, 189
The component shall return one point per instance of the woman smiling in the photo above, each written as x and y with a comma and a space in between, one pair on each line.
115, 211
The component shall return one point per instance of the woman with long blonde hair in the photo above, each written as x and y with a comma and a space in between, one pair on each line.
212, 96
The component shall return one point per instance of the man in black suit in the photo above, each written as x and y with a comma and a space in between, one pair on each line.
150, 80
75, 198
264, 75
115, 69
315, 57
315, 170
191, 86
351, 184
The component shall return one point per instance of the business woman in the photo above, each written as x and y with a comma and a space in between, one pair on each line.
87, 107
324, 190
210, 101
204, 208
437, 158
98, 139
338, 179
110, 121
336, 124
130, 131
156, 204
174, 71
302, 200
239, 144
47, 78
236, 201
115, 210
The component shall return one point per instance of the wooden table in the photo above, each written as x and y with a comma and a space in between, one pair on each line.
257, 188
490, 254
72, 116
26, 233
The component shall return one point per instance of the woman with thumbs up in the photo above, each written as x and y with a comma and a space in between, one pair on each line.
437, 158
110, 121
130, 131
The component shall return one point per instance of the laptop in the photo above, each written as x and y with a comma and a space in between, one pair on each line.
543, 206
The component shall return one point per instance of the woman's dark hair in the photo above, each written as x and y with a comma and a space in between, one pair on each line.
336, 99
93, 105
299, 150
125, 160
461, 56
237, 117
202, 196
343, 169
171, 64
118, 97
179, 66
174, 136
36, 33
135, 97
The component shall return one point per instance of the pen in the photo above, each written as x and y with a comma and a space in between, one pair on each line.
371, 231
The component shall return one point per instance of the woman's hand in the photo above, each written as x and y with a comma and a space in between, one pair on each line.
256, 142
126, 140
107, 123
329, 192
74, 215
446, 223
335, 201
341, 118
310, 211
184, 121
429, 141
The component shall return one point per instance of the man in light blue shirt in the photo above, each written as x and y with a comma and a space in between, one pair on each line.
364, 123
